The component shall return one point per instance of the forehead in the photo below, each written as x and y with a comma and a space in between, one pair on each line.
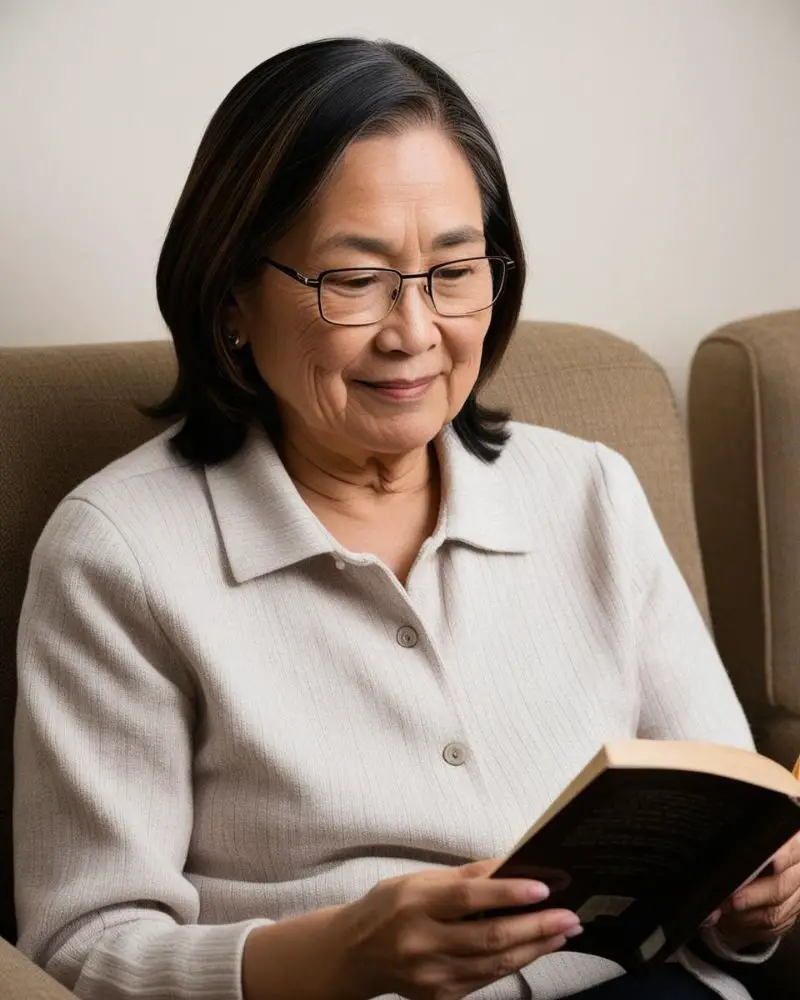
420, 172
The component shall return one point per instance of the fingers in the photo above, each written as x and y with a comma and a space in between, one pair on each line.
408, 933
772, 890
712, 919
763, 923
788, 856
477, 869
457, 898
505, 935
479, 971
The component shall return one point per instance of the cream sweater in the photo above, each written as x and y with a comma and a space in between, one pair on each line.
227, 719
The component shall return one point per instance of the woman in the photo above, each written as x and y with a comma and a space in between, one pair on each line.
286, 673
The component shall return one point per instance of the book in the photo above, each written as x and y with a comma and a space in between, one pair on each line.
650, 838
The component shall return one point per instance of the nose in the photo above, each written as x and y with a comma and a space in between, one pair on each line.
411, 327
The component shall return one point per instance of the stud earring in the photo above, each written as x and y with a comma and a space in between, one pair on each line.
234, 339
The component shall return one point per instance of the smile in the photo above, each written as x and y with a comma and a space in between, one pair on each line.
401, 389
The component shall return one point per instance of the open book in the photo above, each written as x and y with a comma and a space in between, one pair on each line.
651, 837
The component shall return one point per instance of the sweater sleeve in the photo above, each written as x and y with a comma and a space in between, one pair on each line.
103, 781
685, 691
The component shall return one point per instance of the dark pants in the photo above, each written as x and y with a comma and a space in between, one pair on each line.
668, 982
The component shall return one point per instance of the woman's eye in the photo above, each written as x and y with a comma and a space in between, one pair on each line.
352, 282
454, 273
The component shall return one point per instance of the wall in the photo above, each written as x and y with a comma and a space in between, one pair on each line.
653, 148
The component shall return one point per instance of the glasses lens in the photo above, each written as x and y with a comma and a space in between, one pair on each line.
462, 287
358, 297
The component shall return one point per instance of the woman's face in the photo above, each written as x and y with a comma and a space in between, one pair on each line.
407, 202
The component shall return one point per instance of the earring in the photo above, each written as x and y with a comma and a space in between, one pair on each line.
234, 339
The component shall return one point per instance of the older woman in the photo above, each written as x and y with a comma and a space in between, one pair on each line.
287, 672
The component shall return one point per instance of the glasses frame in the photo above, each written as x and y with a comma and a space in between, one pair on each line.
304, 279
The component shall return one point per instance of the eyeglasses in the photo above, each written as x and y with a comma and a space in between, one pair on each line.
360, 296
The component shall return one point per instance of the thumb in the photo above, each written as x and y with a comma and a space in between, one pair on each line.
712, 919
479, 869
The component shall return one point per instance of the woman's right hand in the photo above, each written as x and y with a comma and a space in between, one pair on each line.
406, 935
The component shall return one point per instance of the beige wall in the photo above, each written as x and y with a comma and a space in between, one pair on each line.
653, 148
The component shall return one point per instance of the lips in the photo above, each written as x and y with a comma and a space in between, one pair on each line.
399, 383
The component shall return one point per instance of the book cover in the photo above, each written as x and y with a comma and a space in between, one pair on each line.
643, 851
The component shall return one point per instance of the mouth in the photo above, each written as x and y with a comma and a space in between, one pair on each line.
400, 388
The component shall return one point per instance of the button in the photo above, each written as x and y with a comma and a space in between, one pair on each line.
455, 754
407, 636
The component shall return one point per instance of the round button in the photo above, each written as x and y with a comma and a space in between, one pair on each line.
407, 636
455, 754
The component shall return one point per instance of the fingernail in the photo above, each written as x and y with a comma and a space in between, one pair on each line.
739, 902
536, 891
573, 932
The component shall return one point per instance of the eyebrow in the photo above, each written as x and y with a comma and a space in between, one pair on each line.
457, 237
371, 244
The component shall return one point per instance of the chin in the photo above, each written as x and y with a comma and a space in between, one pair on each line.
400, 437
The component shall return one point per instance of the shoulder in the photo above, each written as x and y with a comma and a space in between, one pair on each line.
129, 497
532, 443
576, 482
547, 455
146, 478
153, 461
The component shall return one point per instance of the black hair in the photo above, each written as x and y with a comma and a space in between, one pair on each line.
268, 148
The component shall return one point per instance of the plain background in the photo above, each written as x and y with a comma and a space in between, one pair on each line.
653, 148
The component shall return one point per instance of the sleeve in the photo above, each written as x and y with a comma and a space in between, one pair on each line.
103, 781
685, 691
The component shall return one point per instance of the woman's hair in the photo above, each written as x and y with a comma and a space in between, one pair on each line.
266, 152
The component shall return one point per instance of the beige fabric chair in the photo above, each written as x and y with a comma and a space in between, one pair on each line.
744, 408
66, 412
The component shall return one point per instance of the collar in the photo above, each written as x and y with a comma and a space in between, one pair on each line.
482, 508
266, 526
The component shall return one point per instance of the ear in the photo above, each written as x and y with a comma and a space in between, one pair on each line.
234, 316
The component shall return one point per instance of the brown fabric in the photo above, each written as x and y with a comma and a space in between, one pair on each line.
596, 386
744, 407
65, 412
20, 979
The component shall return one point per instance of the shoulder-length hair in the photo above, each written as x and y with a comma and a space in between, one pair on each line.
267, 150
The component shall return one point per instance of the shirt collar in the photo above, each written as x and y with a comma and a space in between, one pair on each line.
265, 525
481, 506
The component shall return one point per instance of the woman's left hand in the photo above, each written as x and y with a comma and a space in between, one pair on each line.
767, 908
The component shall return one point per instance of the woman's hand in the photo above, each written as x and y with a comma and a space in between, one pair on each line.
768, 907
406, 935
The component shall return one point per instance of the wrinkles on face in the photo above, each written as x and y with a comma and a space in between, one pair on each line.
391, 202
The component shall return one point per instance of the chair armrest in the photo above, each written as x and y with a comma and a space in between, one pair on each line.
22, 980
744, 417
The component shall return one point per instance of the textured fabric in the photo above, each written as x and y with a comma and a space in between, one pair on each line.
224, 717
670, 982
20, 979
745, 429
65, 412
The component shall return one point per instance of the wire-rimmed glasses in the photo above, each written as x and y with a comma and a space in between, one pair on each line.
361, 296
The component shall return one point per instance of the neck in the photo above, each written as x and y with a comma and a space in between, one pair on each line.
345, 478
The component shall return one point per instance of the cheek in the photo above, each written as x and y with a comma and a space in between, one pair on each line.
465, 346
305, 360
